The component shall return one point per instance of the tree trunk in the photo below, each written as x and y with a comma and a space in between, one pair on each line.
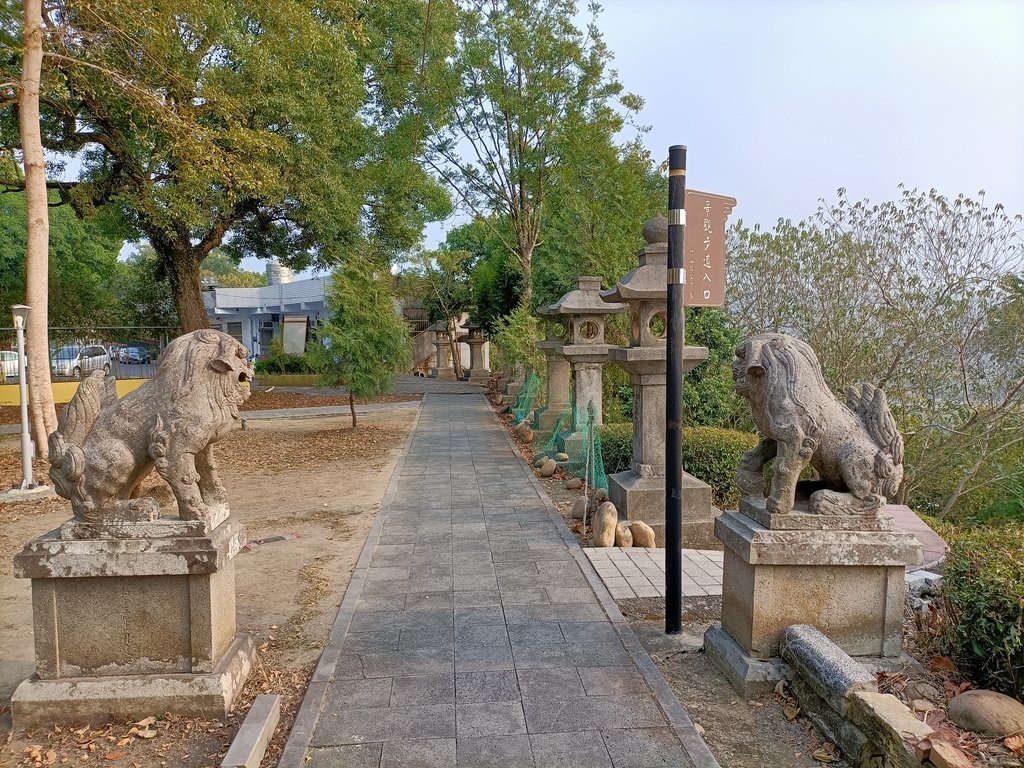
352, 407
181, 265
526, 263
44, 415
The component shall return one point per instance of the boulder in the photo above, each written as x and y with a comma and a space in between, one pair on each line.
986, 712
643, 534
539, 459
573, 484
547, 469
623, 537
600, 494
561, 457
605, 521
579, 508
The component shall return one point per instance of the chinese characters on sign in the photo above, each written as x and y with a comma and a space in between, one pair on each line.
705, 248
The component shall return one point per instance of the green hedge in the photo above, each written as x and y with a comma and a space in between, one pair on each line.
709, 453
282, 362
984, 587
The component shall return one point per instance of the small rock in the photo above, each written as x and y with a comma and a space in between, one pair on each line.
943, 755
504, 408
547, 469
605, 521
539, 459
573, 484
986, 712
561, 457
643, 534
600, 494
529, 417
919, 689
922, 705
623, 537
579, 508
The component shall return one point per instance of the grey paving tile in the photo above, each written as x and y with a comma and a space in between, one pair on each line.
357, 694
479, 687
494, 718
354, 726
371, 641
571, 595
588, 632
474, 598
423, 753
525, 596
549, 683
416, 661
549, 714
612, 681
422, 689
483, 658
495, 752
585, 749
428, 601
350, 756
535, 632
367, 604
610, 654
645, 748
427, 637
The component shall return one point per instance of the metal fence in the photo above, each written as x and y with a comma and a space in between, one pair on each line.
128, 352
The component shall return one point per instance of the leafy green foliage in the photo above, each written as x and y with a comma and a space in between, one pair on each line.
365, 344
709, 454
83, 263
222, 267
295, 126
527, 79
514, 343
984, 587
144, 295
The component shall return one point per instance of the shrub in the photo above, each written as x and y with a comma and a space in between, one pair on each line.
984, 589
278, 362
709, 454
514, 343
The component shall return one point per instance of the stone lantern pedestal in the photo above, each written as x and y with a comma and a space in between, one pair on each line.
639, 492
843, 574
585, 314
556, 400
475, 337
131, 620
443, 369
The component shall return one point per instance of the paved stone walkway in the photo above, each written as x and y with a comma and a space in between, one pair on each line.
637, 572
475, 632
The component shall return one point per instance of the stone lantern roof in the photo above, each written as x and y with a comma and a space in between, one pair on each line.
649, 281
439, 327
584, 300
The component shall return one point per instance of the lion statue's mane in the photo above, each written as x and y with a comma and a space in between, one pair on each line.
104, 448
855, 448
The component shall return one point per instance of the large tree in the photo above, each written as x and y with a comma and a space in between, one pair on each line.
914, 296
290, 129
527, 77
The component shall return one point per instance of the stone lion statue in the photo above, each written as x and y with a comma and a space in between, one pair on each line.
104, 448
855, 448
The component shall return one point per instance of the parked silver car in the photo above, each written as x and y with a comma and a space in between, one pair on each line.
9, 362
79, 361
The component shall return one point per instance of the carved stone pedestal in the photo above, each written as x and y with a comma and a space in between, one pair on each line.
841, 574
642, 497
126, 626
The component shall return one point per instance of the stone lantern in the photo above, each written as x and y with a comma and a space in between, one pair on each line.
476, 338
584, 313
639, 492
443, 368
556, 401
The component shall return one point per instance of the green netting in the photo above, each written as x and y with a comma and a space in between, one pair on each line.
526, 397
562, 428
583, 447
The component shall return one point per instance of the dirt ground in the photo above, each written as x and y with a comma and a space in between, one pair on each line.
306, 530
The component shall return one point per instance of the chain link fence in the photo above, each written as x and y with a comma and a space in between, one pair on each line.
126, 351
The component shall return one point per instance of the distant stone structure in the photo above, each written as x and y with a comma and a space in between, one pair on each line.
819, 552
134, 613
855, 449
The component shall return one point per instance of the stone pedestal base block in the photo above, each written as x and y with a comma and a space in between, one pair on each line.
639, 497
119, 622
479, 375
847, 583
748, 676
547, 418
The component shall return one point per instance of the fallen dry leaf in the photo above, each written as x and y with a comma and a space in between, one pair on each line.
790, 711
146, 721
942, 664
1015, 744
114, 755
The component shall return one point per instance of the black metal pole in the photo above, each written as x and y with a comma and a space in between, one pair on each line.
674, 391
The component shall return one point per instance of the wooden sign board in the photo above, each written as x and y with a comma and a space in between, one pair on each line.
706, 215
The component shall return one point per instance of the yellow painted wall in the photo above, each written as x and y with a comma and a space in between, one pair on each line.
63, 391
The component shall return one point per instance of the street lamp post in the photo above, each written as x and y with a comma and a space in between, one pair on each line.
20, 312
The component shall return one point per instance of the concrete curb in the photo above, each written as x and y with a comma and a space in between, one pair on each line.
295, 749
695, 746
250, 743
